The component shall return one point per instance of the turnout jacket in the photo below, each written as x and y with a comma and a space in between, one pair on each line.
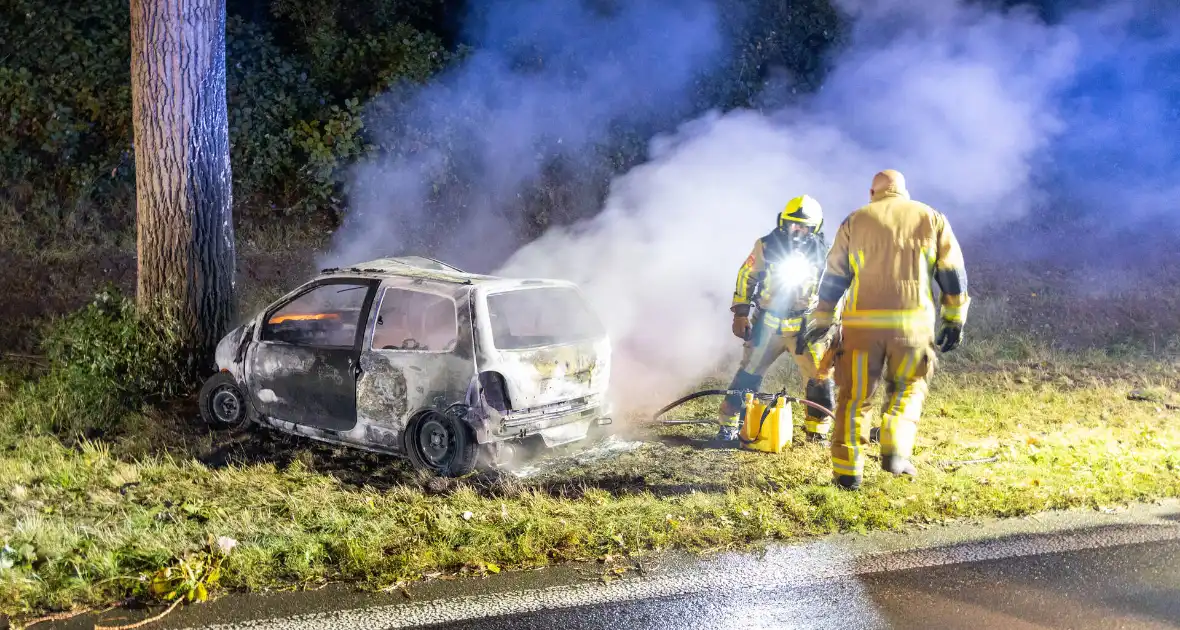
882, 263
781, 277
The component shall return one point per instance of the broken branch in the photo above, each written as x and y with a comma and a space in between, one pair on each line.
140, 624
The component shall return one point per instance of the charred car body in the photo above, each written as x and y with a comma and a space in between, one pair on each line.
411, 357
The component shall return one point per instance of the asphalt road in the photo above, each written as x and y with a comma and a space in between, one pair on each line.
1129, 586
1078, 570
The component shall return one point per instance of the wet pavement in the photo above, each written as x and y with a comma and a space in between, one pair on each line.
1078, 569
1130, 586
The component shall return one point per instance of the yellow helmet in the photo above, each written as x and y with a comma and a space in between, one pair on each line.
802, 209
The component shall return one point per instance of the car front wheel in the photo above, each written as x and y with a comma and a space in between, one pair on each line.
441, 444
223, 403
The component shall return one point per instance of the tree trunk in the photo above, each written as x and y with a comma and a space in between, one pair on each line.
182, 170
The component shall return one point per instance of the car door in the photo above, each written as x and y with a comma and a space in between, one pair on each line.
305, 365
417, 356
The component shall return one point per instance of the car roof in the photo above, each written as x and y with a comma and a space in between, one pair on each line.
429, 269
406, 267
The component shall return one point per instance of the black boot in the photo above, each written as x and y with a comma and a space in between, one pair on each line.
727, 435
898, 465
816, 438
821, 393
848, 482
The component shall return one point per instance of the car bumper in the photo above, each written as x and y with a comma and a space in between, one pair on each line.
557, 424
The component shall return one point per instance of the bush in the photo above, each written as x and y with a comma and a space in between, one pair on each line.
295, 106
65, 150
66, 154
105, 362
357, 48
110, 342
267, 93
298, 73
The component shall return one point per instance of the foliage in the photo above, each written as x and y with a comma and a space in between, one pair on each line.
328, 147
298, 75
776, 46
66, 158
105, 362
267, 93
361, 47
190, 577
110, 341
65, 146
295, 116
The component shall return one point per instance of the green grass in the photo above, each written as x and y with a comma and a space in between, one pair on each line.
90, 522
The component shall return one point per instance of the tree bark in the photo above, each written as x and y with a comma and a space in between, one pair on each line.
185, 237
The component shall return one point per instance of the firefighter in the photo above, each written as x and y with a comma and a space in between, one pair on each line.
780, 279
881, 264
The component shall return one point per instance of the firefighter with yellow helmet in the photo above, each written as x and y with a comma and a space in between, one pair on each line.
880, 270
780, 279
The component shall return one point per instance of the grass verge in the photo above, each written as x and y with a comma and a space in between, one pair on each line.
93, 521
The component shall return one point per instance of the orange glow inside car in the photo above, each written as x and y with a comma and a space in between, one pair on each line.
278, 319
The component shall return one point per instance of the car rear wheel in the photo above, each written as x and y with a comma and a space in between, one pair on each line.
441, 444
223, 403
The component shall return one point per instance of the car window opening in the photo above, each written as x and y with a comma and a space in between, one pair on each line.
543, 316
415, 320
326, 316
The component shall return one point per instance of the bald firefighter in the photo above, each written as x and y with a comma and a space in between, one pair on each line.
780, 279
881, 265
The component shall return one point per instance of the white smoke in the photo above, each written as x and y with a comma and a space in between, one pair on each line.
960, 99
548, 82
989, 113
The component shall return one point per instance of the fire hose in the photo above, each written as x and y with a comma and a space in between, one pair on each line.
771, 398
727, 392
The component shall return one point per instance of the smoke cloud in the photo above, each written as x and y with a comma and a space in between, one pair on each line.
548, 83
957, 98
995, 116
992, 115
1118, 158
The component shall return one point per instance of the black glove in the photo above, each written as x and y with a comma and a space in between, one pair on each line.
816, 331
801, 337
949, 336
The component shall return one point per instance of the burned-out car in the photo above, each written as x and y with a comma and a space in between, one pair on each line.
412, 357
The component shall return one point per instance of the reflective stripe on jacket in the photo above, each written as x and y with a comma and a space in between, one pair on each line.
882, 262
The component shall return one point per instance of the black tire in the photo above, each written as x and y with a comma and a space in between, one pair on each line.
441, 444
223, 403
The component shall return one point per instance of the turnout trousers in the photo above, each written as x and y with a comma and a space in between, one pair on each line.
863, 360
770, 338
